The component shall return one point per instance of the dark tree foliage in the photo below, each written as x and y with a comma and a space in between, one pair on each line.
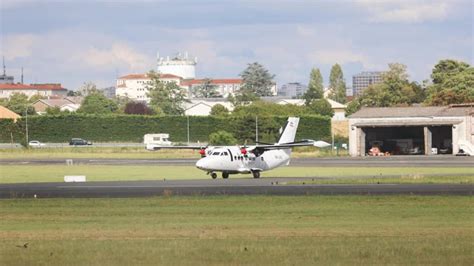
97, 103
337, 84
321, 107
256, 82
315, 87
222, 137
453, 83
219, 110
137, 108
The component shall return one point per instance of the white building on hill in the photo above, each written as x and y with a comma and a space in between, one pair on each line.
44, 90
224, 87
133, 86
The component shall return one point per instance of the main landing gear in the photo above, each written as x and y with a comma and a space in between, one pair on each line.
224, 175
256, 174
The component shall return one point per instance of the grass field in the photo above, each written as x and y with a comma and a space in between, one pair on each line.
131, 153
258, 230
56, 173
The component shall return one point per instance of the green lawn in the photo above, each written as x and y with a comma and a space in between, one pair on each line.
56, 173
258, 230
130, 153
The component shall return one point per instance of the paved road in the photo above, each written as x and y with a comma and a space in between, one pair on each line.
393, 161
266, 186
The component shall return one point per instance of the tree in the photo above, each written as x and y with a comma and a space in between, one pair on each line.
219, 110
321, 107
353, 106
97, 103
453, 82
169, 97
20, 104
337, 84
53, 110
256, 82
261, 108
315, 87
73, 93
206, 90
137, 108
35, 98
222, 138
86, 89
394, 90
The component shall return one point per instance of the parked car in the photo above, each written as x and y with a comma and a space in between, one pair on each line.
36, 143
77, 141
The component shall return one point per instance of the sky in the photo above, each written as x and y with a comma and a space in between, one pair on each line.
72, 42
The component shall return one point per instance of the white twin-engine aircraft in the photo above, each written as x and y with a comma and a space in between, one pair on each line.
251, 159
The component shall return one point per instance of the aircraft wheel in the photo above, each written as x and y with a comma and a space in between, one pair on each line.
213, 175
225, 175
256, 174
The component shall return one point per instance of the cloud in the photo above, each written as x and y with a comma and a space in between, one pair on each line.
404, 11
18, 45
340, 56
119, 54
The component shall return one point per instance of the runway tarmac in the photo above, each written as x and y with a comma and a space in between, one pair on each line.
264, 186
392, 161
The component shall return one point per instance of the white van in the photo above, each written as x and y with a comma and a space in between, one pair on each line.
154, 141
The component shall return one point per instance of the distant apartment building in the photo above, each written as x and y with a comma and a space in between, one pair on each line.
364, 79
44, 90
134, 86
292, 90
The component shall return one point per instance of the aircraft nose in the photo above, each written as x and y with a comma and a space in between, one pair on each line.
201, 164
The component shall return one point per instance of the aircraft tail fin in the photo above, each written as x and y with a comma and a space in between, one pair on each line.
289, 132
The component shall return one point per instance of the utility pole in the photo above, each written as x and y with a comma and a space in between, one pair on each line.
26, 127
187, 118
256, 129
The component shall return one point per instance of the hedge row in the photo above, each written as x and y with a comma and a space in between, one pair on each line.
127, 128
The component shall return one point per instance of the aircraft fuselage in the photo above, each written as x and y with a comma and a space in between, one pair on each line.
232, 160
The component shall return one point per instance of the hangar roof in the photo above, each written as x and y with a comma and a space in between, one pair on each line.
414, 111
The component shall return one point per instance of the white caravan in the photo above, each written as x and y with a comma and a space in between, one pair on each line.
154, 141
252, 159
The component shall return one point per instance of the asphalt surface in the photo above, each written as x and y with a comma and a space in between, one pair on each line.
392, 161
266, 186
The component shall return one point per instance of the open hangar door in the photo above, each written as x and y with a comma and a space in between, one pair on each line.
442, 139
409, 140
395, 140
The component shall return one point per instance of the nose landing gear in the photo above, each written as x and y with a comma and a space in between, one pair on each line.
213, 175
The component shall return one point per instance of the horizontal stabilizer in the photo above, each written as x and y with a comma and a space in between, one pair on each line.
321, 144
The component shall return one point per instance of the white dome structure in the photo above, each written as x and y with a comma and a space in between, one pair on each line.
178, 65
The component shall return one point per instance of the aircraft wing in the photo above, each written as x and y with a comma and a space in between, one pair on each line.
153, 147
278, 146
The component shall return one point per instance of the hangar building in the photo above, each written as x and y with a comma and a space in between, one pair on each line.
413, 130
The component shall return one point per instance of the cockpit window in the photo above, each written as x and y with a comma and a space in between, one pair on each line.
216, 153
224, 154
